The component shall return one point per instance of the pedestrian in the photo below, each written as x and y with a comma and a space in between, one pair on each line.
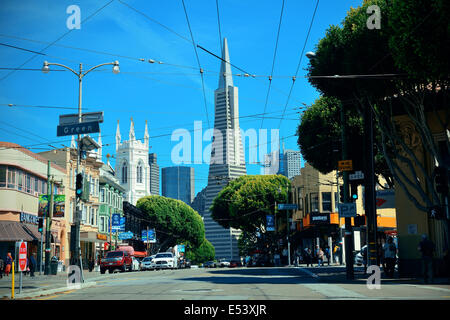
91, 264
327, 254
319, 255
426, 247
8, 262
276, 258
33, 264
390, 252
2, 267
336, 253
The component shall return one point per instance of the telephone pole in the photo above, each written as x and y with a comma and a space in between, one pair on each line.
48, 220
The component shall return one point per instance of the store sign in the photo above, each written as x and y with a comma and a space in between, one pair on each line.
29, 218
101, 236
319, 218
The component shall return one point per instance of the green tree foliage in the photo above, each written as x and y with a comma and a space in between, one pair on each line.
174, 221
204, 252
319, 135
244, 203
420, 37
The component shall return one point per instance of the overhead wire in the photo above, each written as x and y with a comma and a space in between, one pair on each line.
59, 38
273, 60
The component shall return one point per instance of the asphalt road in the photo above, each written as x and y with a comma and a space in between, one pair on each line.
243, 284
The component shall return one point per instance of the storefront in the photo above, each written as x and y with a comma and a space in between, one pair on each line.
92, 246
13, 231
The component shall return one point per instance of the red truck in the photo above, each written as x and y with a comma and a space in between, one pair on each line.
120, 259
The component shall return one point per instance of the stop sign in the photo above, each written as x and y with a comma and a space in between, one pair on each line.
23, 256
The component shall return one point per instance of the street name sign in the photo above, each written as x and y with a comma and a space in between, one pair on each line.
125, 235
65, 119
78, 128
270, 222
358, 175
115, 222
287, 206
345, 165
347, 210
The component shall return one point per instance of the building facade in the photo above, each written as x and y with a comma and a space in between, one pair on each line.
111, 199
23, 178
178, 183
227, 158
91, 242
291, 160
154, 174
132, 168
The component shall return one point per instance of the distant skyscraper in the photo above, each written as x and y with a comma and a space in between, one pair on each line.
178, 183
154, 174
227, 158
291, 163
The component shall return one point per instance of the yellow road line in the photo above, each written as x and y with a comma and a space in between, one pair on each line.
55, 296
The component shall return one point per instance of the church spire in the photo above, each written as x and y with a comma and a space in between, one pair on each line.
118, 137
225, 76
132, 135
146, 136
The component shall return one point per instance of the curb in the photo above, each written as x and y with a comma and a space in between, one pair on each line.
39, 293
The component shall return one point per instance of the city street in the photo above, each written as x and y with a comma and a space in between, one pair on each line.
247, 284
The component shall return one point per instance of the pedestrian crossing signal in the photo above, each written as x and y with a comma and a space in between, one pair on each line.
79, 185
41, 225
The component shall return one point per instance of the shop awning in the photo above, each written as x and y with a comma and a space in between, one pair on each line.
15, 231
90, 236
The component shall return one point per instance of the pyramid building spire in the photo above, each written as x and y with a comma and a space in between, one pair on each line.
225, 78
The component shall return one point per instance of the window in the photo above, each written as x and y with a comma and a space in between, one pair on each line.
314, 202
11, 177
102, 225
92, 216
139, 173
336, 202
124, 173
2, 176
36, 185
102, 195
326, 201
20, 180
300, 199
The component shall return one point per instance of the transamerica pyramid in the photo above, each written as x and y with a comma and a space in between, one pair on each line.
227, 158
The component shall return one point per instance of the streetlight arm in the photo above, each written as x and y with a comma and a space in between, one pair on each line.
100, 65
61, 65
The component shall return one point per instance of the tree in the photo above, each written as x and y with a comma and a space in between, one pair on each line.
174, 221
202, 253
354, 50
244, 203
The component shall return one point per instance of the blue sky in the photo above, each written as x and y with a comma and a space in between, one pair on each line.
169, 97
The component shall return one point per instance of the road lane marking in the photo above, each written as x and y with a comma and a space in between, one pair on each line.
333, 291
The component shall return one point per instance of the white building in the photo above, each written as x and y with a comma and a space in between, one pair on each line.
132, 168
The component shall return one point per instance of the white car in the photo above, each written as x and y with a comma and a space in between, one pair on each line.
147, 263
224, 263
164, 260
135, 265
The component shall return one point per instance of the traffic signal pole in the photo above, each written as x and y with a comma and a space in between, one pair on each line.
48, 221
369, 189
348, 222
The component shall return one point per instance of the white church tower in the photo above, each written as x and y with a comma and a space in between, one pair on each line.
132, 168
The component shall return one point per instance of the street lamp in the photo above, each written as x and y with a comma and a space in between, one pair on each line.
75, 230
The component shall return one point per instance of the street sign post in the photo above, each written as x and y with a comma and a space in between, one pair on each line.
115, 222
77, 128
287, 206
347, 210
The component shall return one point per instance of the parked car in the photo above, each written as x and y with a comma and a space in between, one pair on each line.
224, 263
147, 263
210, 264
116, 260
235, 264
164, 260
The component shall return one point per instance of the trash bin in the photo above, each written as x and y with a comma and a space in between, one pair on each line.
54, 265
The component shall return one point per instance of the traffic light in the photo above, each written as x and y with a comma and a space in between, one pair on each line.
353, 192
79, 185
360, 220
41, 224
341, 194
441, 180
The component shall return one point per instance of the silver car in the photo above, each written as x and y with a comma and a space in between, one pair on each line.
147, 263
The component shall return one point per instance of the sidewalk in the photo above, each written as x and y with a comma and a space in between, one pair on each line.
336, 273
43, 284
